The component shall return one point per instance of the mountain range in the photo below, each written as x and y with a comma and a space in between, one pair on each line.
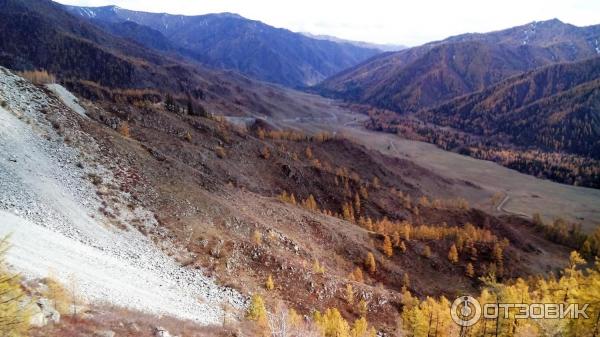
556, 107
97, 64
428, 75
229, 41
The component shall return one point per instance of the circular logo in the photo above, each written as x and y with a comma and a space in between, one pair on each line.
465, 311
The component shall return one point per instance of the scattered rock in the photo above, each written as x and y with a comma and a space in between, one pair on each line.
44, 313
162, 332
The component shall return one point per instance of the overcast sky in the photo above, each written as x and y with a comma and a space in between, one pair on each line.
382, 21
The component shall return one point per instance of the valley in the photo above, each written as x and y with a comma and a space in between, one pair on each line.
211, 175
523, 195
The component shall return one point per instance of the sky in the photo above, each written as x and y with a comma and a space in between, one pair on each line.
403, 22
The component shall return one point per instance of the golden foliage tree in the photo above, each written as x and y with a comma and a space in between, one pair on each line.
257, 237
318, 268
310, 203
14, 314
469, 270
363, 308
257, 311
453, 254
426, 251
357, 275
332, 324
349, 294
269, 284
370, 263
360, 328
387, 247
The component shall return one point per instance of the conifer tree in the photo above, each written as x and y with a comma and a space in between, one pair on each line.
453, 254
269, 284
406, 281
387, 248
349, 295
357, 204
469, 271
357, 275
370, 263
426, 251
310, 203
14, 312
363, 308
332, 324
318, 268
257, 310
257, 237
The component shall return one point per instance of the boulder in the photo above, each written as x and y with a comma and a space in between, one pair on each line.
162, 332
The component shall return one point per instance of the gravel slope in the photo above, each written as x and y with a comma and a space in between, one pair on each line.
51, 210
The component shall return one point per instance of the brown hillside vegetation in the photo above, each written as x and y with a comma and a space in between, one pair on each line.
212, 186
554, 108
428, 75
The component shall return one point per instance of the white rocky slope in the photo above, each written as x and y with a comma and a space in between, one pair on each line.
51, 210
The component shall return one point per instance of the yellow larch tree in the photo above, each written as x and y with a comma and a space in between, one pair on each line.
269, 284
469, 270
370, 263
14, 310
349, 294
453, 254
357, 275
387, 247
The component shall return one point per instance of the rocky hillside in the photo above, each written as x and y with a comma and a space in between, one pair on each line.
155, 201
428, 75
229, 41
68, 212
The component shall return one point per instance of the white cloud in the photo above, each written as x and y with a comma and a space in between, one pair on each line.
383, 21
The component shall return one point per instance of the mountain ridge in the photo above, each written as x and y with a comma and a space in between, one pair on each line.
554, 107
392, 80
229, 41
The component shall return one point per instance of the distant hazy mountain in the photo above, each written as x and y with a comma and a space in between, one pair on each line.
382, 47
230, 41
556, 107
428, 75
